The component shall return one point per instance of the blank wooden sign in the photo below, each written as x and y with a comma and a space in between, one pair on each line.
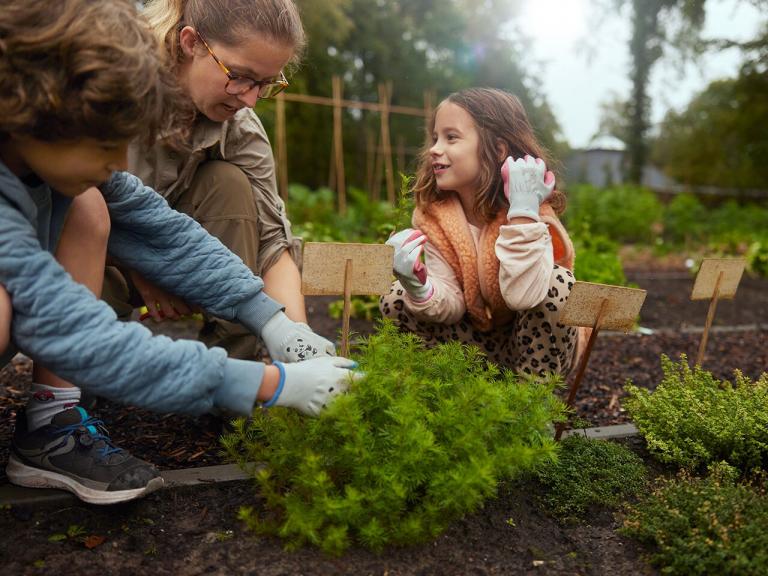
731, 268
620, 306
325, 265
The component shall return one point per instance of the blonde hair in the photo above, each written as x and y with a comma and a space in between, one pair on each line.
227, 22
499, 118
75, 69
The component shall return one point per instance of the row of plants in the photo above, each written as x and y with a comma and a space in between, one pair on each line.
635, 215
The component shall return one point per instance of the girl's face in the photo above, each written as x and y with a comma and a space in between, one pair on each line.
204, 80
68, 167
454, 152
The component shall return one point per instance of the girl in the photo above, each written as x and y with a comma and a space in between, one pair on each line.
219, 169
79, 79
498, 262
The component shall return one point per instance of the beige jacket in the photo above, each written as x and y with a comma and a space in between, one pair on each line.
526, 260
241, 141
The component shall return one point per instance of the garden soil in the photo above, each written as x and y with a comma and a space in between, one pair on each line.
194, 531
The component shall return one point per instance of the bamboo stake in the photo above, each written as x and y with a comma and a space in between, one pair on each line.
347, 308
582, 366
338, 145
384, 97
370, 161
282, 150
710, 317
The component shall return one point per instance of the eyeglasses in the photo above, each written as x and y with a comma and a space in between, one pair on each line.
237, 85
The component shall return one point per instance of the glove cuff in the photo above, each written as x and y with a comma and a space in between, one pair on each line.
523, 213
422, 293
271, 402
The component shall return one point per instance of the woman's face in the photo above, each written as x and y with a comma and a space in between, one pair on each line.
204, 80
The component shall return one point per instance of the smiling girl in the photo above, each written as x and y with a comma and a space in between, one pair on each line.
218, 168
498, 263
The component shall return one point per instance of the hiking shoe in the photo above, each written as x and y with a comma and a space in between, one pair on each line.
74, 453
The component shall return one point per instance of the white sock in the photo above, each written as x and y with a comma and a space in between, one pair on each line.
46, 401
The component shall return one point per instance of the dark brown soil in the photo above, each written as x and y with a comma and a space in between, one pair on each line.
187, 531
195, 531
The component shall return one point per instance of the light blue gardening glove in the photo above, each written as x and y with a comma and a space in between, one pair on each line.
309, 386
289, 341
527, 184
408, 267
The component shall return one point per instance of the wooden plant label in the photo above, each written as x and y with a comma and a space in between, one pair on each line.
598, 306
332, 268
718, 278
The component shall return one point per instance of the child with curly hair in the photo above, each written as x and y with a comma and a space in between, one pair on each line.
79, 80
497, 263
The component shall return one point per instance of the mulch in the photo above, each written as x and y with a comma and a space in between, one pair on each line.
174, 441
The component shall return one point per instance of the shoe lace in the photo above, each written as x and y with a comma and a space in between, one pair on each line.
96, 429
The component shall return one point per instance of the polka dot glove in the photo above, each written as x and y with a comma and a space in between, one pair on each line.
289, 341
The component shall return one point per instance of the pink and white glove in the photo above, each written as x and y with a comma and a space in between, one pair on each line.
408, 267
527, 184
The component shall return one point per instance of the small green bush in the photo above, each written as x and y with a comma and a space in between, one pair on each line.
424, 438
685, 220
621, 213
692, 419
597, 258
587, 473
757, 258
703, 526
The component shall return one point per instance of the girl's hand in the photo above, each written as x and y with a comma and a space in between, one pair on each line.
160, 304
408, 267
527, 184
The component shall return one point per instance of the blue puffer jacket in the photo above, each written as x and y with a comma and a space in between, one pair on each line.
60, 323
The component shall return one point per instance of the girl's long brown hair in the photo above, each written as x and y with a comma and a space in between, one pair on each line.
500, 119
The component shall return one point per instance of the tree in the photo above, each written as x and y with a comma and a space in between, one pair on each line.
720, 139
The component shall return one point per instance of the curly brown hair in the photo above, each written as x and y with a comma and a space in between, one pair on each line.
74, 69
500, 119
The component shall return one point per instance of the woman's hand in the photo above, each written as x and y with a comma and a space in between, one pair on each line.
527, 184
161, 305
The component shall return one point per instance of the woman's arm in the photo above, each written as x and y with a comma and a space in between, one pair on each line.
282, 282
6, 312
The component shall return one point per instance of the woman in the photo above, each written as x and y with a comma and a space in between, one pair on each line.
219, 168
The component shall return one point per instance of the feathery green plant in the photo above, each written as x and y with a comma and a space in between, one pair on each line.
424, 438
693, 419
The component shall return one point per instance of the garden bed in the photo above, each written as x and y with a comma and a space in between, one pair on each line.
195, 531
173, 441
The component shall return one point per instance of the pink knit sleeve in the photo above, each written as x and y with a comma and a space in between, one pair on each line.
526, 261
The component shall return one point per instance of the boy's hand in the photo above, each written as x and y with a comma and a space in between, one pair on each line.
309, 386
161, 305
527, 184
408, 267
289, 341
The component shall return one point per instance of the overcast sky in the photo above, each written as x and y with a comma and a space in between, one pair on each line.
576, 85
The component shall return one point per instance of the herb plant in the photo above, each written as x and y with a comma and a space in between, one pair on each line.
424, 438
704, 526
587, 473
693, 419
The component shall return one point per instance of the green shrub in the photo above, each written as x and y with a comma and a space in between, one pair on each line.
622, 213
597, 258
692, 419
424, 438
685, 220
703, 526
587, 473
757, 258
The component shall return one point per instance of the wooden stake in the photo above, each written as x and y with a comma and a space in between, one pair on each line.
338, 145
282, 152
370, 160
385, 94
582, 367
710, 317
347, 308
